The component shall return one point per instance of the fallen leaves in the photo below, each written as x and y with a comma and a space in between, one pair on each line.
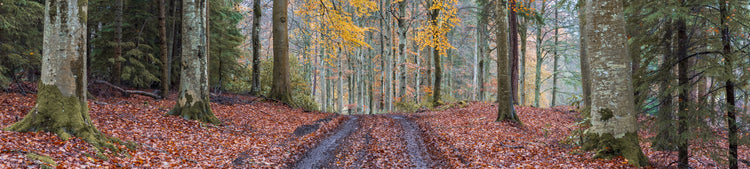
260, 130
470, 138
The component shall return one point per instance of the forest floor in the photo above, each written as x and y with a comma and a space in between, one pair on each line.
263, 134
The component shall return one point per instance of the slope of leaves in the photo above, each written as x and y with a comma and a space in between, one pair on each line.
470, 138
254, 134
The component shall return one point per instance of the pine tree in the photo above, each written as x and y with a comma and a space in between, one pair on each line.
20, 40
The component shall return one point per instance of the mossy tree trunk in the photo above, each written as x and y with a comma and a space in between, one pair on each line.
504, 94
281, 84
614, 127
193, 101
61, 106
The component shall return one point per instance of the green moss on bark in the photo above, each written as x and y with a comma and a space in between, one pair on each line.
199, 110
606, 114
607, 147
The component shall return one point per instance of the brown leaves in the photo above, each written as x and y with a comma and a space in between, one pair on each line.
261, 130
469, 138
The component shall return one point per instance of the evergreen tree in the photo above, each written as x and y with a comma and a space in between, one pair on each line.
20, 40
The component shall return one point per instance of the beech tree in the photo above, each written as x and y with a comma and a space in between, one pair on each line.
193, 101
61, 106
505, 110
280, 86
614, 128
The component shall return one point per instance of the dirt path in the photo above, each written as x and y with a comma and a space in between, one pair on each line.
415, 145
321, 154
372, 141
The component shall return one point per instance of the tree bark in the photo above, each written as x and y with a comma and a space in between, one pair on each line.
585, 68
554, 66
281, 84
513, 26
255, 37
614, 127
505, 110
163, 49
61, 105
523, 34
402, 48
729, 89
436, 59
684, 95
193, 100
539, 56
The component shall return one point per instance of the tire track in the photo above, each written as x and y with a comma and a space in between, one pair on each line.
319, 156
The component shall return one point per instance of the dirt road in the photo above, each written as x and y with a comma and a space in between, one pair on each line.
371, 141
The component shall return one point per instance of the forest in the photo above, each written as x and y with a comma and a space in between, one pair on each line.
375, 84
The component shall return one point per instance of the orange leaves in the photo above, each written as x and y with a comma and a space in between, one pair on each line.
469, 138
260, 129
433, 33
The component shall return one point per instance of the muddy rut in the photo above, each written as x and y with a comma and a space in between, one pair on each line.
371, 141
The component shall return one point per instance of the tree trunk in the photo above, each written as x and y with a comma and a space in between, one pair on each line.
555, 58
255, 37
436, 59
402, 48
61, 105
505, 110
177, 40
341, 81
280, 87
614, 127
513, 26
117, 68
389, 60
585, 68
730, 95
523, 34
539, 58
684, 95
193, 101
163, 48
